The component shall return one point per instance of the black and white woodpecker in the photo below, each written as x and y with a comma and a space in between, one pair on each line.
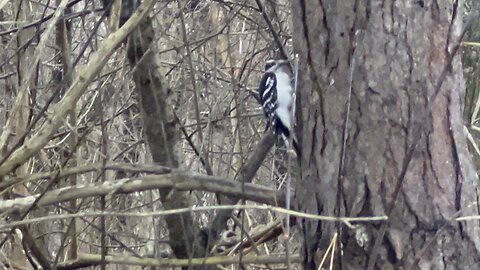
276, 95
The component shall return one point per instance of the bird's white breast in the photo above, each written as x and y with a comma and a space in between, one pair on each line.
284, 98
284, 89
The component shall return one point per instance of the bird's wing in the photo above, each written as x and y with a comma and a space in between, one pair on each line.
268, 95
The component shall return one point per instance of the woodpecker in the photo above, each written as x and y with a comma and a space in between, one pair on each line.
276, 96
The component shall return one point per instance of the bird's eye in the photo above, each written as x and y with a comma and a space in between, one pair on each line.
268, 65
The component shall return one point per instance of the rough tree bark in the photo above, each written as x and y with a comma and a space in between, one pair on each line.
401, 50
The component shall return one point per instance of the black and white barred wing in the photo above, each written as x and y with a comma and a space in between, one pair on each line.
268, 96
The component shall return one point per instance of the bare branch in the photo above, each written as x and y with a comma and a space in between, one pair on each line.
165, 213
62, 173
86, 260
246, 174
83, 79
178, 181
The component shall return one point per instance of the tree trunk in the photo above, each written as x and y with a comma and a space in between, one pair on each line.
393, 53
161, 134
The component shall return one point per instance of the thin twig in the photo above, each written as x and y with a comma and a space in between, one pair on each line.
48, 17
194, 209
246, 174
274, 33
203, 146
330, 249
18, 154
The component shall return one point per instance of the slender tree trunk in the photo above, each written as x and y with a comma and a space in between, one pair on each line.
161, 133
21, 115
392, 54
63, 40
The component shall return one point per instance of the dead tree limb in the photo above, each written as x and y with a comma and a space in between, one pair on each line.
88, 260
177, 181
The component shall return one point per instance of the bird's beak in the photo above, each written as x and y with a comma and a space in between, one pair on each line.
282, 62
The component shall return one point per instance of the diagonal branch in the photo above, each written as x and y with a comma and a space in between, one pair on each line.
274, 33
78, 87
245, 176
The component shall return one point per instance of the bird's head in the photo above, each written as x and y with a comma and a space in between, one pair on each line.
273, 64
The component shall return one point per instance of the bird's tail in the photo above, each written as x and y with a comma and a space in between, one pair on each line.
296, 146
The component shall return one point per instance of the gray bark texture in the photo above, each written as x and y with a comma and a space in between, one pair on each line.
396, 51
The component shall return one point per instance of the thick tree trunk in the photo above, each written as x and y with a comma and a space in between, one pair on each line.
401, 49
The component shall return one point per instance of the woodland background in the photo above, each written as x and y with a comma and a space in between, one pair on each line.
106, 160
